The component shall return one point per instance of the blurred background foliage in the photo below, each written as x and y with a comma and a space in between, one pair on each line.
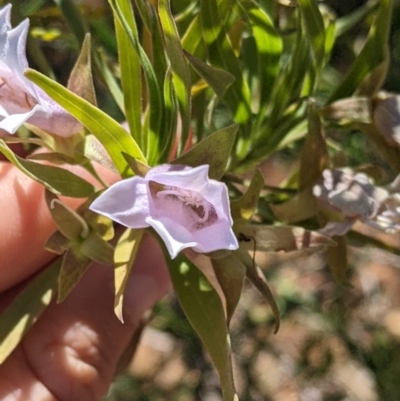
335, 343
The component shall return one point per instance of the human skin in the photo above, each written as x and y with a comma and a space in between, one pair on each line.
71, 352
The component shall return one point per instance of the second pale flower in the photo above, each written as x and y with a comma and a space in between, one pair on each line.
184, 206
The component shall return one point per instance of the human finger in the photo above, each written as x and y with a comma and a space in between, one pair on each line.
72, 351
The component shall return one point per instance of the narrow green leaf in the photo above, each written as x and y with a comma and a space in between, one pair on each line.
152, 130
74, 265
230, 273
219, 80
55, 179
301, 207
354, 109
314, 26
372, 54
69, 223
222, 55
269, 47
81, 80
255, 275
108, 131
109, 79
96, 249
180, 70
93, 150
129, 62
124, 258
213, 150
204, 310
314, 156
57, 243
192, 40
24, 311
243, 208
137, 167
337, 261
290, 81
171, 115
288, 239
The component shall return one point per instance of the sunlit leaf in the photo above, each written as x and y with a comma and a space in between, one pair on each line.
279, 238
55, 179
204, 310
372, 54
74, 265
243, 208
219, 80
255, 275
96, 249
24, 311
337, 261
124, 258
213, 150
70, 224
314, 156
109, 132
301, 207
180, 69
129, 62
222, 55
81, 80
230, 273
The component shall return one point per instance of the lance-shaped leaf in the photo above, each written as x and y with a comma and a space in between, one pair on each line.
26, 308
222, 55
96, 249
93, 150
354, 109
55, 179
137, 167
81, 80
153, 128
57, 243
230, 273
315, 30
130, 67
255, 275
288, 239
213, 150
69, 222
314, 155
124, 258
74, 265
205, 312
243, 208
180, 69
374, 80
219, 80
301, 207
372, 54
337, 261
269, 48
108, 131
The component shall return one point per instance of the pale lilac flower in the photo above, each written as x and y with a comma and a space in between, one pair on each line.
20, 100
387, 118
355, 197
184, 206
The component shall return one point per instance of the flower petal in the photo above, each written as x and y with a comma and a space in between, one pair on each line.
175, 237
125, 202
193, 179
12, 122
214, 237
